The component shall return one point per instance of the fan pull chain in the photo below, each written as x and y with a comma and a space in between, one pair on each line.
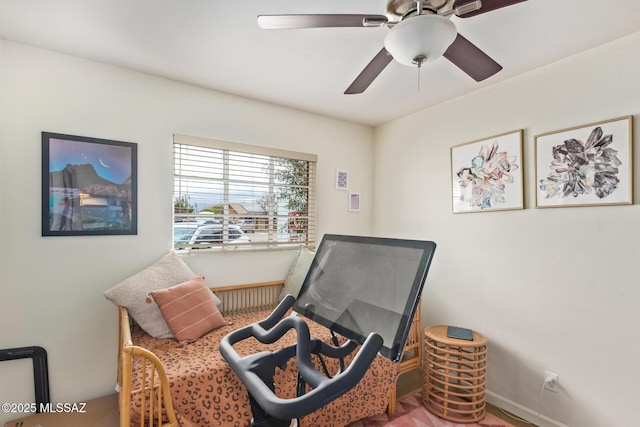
418, 60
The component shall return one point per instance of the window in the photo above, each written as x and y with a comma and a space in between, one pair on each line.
233, 195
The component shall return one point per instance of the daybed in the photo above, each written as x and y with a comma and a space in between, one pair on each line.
163, 384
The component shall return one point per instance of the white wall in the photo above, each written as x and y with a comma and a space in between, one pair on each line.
52, 287
552, 289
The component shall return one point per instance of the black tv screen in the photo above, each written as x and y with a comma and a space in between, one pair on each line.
360, 285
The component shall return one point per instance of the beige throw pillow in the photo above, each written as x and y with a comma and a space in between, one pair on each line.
132, 292
298, 273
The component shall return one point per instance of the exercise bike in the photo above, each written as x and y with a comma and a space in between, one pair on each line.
365, 289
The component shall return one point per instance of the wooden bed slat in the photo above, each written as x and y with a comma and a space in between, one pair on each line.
246, 298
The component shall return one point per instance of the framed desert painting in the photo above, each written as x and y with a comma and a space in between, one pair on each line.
486, 175
587, 165
89, 186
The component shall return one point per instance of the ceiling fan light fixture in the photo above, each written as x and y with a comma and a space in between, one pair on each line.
426, 36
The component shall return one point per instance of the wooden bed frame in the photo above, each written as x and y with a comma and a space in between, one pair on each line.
235, 300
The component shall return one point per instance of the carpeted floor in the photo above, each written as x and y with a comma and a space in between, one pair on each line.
411, 413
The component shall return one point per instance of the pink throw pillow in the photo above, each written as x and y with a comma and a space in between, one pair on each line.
188, 309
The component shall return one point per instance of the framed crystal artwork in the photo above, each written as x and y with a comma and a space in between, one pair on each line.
486, 175
586, 165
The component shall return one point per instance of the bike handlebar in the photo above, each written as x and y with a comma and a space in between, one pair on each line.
252, 369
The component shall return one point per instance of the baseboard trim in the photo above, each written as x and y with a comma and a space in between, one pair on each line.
521, 411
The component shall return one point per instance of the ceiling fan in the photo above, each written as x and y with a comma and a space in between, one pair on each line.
420, 32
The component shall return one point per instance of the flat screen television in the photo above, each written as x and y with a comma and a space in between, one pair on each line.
360, 285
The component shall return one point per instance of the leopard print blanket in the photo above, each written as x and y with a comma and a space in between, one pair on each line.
206, 392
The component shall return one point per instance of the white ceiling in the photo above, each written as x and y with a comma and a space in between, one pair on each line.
218, 45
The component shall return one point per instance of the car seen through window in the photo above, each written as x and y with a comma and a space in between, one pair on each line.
199, 236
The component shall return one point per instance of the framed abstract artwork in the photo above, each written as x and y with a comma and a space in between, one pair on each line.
89, 186
486, 175
587, 165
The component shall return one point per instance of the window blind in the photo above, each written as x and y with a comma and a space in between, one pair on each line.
232, 196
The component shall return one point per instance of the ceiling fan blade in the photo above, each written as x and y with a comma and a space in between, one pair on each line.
470, 59
487, 6
278, 22
370, 72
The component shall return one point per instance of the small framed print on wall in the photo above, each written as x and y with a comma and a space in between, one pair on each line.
587, 165
89, 186
486, 175
354, 202
342, 180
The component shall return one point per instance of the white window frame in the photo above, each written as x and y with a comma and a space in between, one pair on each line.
212, 170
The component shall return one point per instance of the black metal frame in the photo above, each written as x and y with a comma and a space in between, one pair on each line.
40, 370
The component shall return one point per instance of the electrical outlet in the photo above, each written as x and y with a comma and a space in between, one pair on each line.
551, 381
